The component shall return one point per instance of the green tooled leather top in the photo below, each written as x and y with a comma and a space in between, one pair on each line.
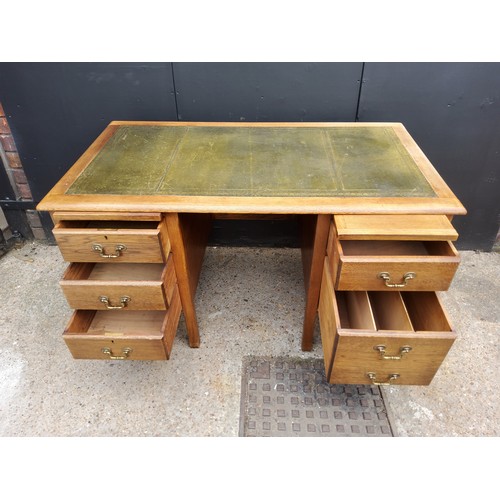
253, 161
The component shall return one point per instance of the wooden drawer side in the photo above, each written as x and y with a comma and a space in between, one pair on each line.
328, 319
332, 252
171, 322
166, 246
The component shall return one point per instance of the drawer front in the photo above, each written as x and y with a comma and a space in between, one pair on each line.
129, 286
359, 354
373, 273
128, 242
131, 296
386, 265
382, 338
88, 347
123, 335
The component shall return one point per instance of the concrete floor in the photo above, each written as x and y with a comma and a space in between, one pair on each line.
249, 302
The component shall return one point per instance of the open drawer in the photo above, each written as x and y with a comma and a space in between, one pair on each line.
129, 286
112, 241
123, 335
382, 338
399, 262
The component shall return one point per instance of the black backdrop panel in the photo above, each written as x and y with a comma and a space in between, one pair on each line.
452, 110
6, 192
56, 110
267, 91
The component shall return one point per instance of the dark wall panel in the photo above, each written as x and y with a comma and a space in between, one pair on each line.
56, 110
6, 191
256, 233
452, 110
267, 91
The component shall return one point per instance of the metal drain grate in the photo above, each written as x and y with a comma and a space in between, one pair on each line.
291, 397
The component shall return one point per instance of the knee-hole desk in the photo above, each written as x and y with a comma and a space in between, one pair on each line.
133, 215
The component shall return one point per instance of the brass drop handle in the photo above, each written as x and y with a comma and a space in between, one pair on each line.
402, 351
123, 302
125, 352
373, 378
387, 278
119, 248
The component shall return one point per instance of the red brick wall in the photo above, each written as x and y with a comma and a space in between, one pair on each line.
16, 174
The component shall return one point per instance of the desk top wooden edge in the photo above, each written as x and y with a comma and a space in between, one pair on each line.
445, 201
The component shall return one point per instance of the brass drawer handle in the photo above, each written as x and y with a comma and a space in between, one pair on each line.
125, 352
123, 301
373, 378
402, 351
119, 248
387, 277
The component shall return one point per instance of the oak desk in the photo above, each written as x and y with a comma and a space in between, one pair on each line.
146, 193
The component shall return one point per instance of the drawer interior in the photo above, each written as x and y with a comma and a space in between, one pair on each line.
425, 312
389, 311
108, 225
381, 248
117, 323
127, 272
395, 311
355, 312
106, 272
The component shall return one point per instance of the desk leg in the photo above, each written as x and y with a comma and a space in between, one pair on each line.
188, 235
314, 236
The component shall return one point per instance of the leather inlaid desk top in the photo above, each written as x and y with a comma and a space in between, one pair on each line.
254, 168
